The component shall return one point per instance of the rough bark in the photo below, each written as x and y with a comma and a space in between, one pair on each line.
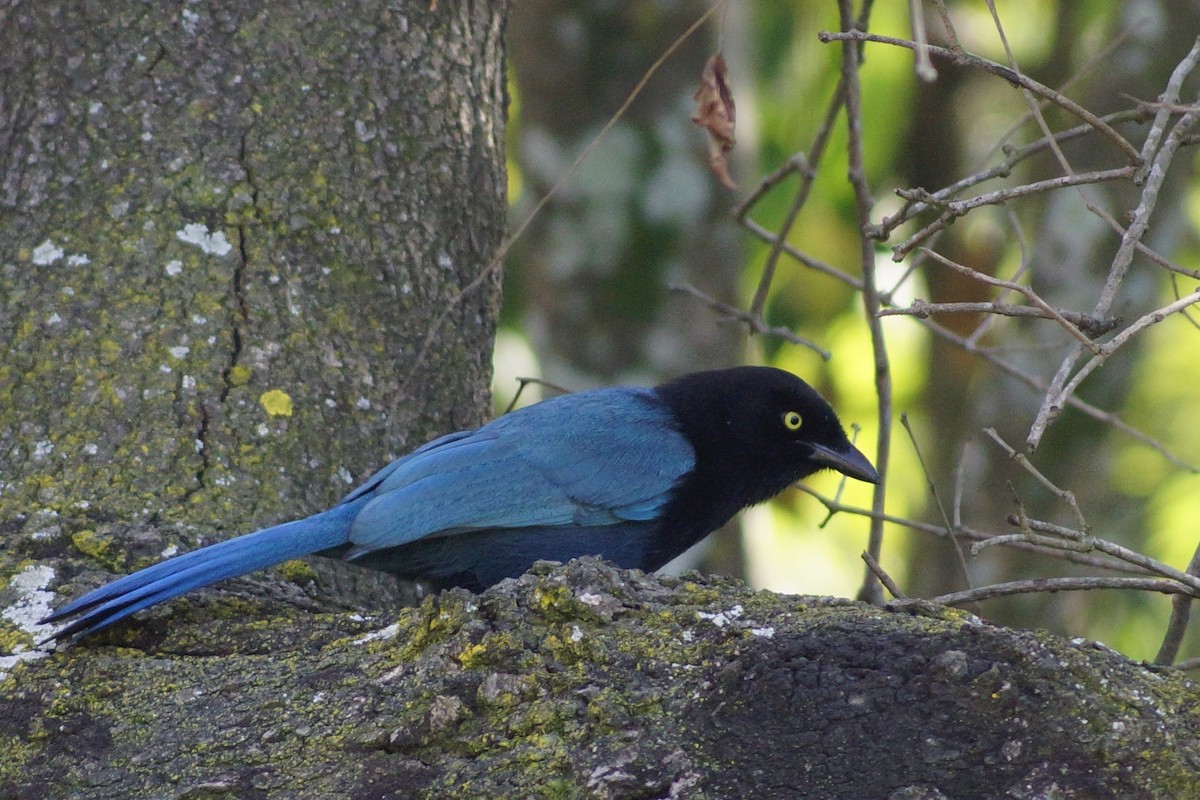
585, 681
227, 230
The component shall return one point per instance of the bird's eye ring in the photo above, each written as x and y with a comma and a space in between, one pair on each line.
792, 420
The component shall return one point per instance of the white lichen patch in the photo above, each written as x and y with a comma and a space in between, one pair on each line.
383, 633
33, 599
198, 234
46, 253
721, 618
32, 603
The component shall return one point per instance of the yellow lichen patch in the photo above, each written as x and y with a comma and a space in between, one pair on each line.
239, 375
472, 655
298, 571
90, 544
276, 402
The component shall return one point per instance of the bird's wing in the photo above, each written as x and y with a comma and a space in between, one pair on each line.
592, 458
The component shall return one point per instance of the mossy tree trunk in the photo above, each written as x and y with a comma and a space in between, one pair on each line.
226, 233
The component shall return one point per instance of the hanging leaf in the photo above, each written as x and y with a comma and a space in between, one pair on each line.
715, 113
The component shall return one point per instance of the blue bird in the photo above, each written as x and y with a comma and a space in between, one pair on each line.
630, 474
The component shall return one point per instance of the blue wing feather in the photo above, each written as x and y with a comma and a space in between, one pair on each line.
595, 458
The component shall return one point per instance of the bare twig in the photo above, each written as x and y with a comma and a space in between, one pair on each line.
1016, 542
815, 155
808, 261
962, 58
871, 590
1065, 495
1084, 322
1014, 156
884, 578
1181, 612
924, 66
1059, 390
797, 164
1108, 348
958, 208
1027, 292
754, 323
523, 382
1008, 368
1086, 69
937, 498
1051, 585
1168, 101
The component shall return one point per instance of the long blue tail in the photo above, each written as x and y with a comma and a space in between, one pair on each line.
228, 559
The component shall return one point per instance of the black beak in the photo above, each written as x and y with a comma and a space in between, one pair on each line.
846, 460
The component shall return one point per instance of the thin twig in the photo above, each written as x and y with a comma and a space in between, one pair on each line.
1168, 100
1111, 346
1027, 292
937, 498
1014, 156
754, 323
963, 58
523, 382
884, 578
1037, 385
924, 309
1181, 612
1051, 585
1017, 542
815, 264
959, 208
1052, 403
797, 164
924, 66
1065, 495
815, 155
871, 590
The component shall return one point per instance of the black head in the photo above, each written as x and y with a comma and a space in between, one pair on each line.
755, 430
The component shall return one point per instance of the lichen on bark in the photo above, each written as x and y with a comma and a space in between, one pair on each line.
588, 681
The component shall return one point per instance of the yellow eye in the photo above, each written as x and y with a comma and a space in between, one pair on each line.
792, 420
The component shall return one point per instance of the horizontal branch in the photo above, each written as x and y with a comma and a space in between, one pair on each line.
923, 309
1051, 585
958, 208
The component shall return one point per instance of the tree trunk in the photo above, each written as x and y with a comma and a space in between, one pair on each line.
228, 232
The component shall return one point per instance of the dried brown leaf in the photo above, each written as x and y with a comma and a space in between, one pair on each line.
715, 113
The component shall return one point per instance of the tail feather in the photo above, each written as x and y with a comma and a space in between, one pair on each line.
175, 576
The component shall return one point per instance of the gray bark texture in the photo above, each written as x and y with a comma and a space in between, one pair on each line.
226, 232
589, 682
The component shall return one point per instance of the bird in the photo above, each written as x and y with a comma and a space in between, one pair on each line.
633, 475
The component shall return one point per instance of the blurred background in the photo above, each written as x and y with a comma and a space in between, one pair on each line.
588, 297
